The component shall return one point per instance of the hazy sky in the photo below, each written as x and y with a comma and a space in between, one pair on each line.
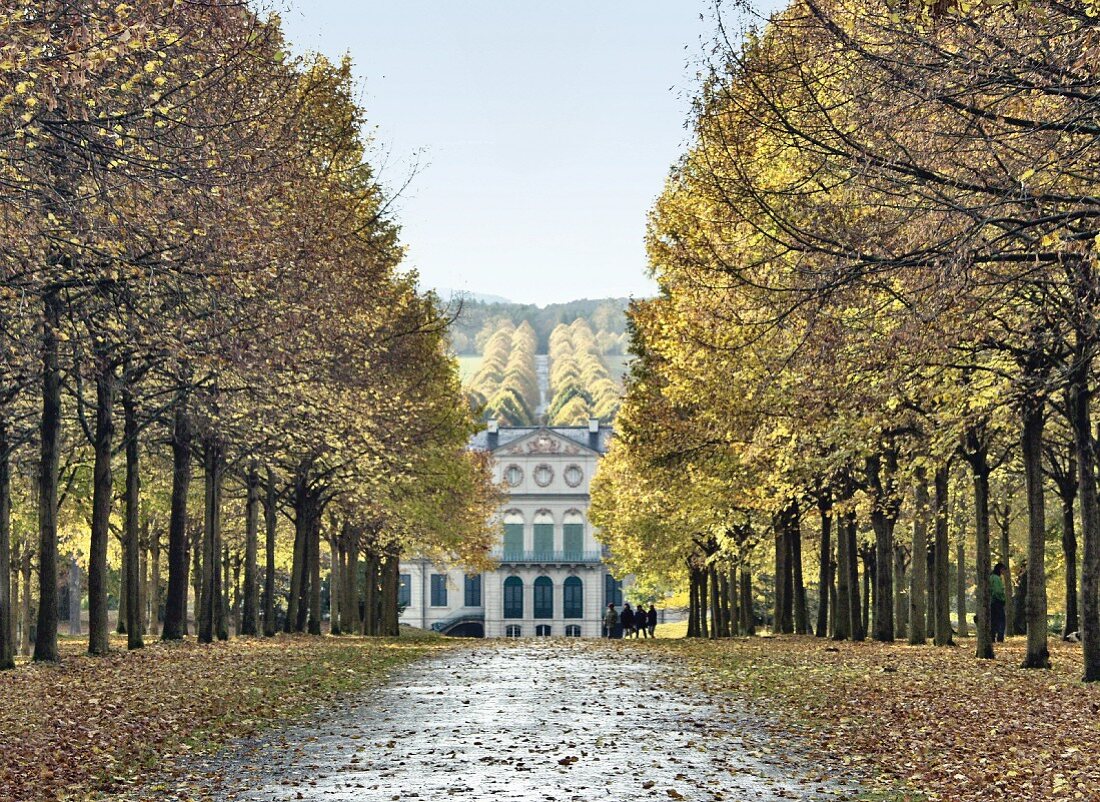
541, 131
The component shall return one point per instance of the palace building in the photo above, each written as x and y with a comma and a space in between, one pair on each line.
551, 579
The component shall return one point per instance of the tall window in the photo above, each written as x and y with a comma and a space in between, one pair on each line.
405, 591
572, 598
612, 591
513, 597
573, 535
544, 597
473, 590
513, 535
544, 534
439, 590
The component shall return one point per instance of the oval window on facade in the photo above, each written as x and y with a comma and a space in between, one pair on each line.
544, 475
574, 475
513, 475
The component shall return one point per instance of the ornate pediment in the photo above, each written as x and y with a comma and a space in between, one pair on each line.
542, 442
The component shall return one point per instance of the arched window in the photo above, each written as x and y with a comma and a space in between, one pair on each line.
513, 631
573, 535
542, 631
544, 535
612, 591
572, 598
513, 597
573, 631
544, 597
513, 535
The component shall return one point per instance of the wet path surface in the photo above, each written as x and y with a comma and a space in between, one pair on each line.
526, 721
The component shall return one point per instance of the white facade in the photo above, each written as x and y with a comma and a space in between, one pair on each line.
551, 579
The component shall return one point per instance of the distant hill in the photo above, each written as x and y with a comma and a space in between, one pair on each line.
477, 321
448, 295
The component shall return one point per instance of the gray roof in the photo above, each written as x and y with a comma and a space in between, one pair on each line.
578, 434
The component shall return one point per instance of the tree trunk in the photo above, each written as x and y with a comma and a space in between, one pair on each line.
856, 627
250, 620
1071, 623
824, 575
941, 579
135, 637
298, 562
901, 595
1038, 654
175, 603
270, 527
983, 566
7, 614
211, 616
45, 643
715, 604
748, 614
782, 560
227, 604
960, 587
704, 603
99, 627
884, 556
1004, 550
315, 574
870, 566
335, 585
349, 610
918, 570
1090, 520
842, 623
390, 581
801, 613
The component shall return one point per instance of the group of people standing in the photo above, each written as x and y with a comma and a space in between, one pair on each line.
630, 623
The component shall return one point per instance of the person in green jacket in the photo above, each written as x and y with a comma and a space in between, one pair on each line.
997, 618
610, 621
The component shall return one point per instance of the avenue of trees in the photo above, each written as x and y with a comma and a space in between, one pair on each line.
211, 366
580, 384
878, 305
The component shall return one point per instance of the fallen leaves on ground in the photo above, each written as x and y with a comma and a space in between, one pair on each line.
934, 720
90, 725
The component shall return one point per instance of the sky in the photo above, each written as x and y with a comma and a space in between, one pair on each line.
536, 135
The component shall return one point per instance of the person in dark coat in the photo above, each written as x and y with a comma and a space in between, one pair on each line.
610, 620
626, 618
997, 618
651, 620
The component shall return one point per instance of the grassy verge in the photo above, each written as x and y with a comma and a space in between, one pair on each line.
935, 720
95, 725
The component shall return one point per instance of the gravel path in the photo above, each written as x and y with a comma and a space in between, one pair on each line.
526, 721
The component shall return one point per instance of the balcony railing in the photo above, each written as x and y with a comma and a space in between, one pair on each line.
548, 556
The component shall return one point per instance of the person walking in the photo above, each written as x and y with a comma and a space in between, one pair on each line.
997, 619
651, 620
627, 619
640, 628
610, 620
